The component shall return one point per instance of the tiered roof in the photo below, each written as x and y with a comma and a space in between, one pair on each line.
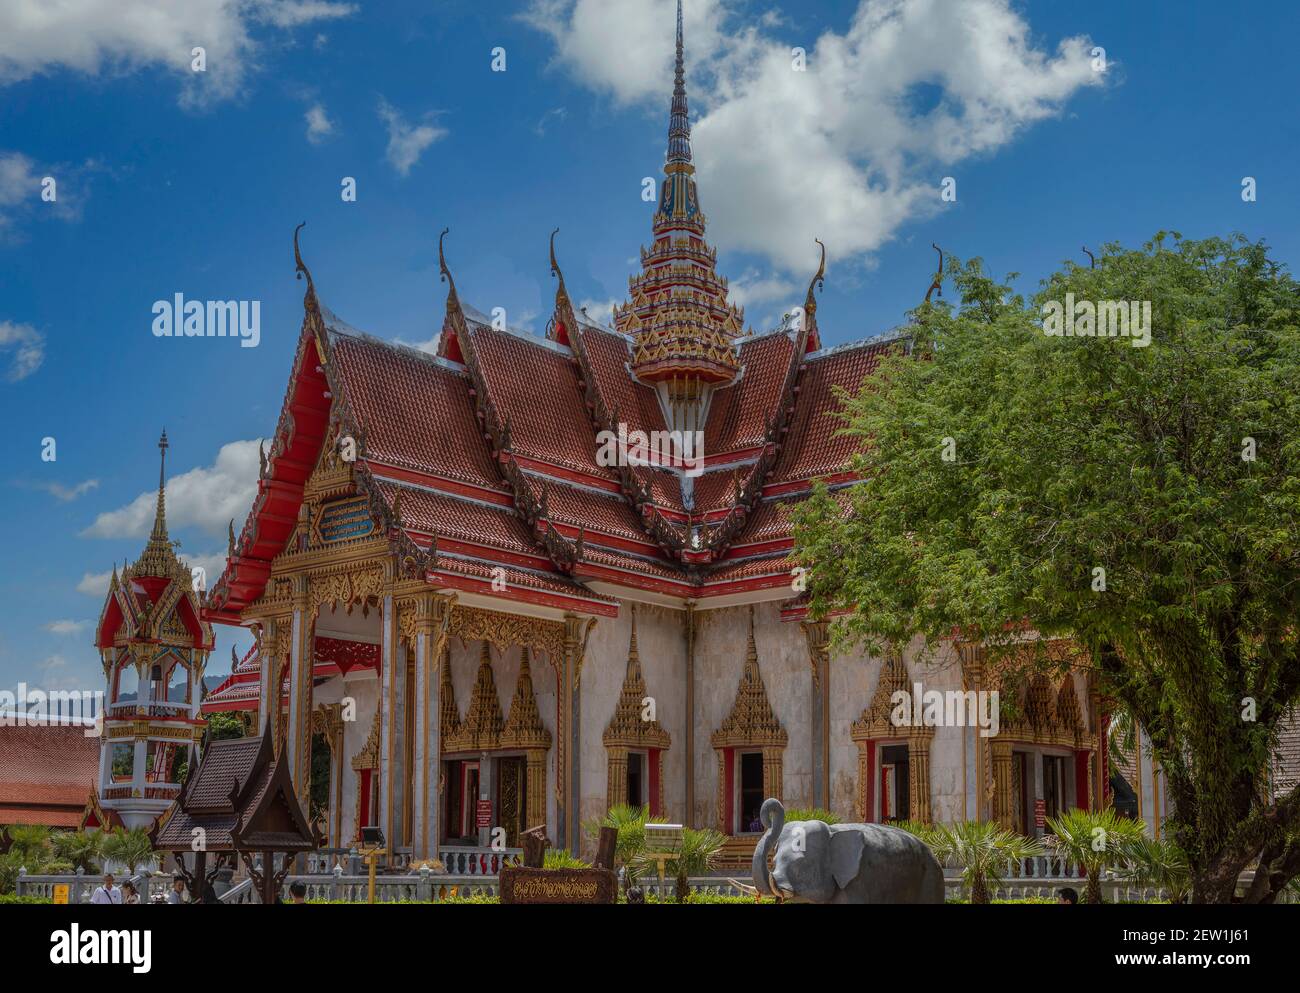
490, 449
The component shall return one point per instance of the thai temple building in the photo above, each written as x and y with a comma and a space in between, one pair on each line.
484, 599
154, 645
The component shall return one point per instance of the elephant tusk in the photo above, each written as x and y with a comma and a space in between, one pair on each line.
744, 888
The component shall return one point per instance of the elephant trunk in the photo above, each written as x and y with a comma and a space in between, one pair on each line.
772, 817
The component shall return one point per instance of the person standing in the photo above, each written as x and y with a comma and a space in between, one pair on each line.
177, 895
107, 892
130, 895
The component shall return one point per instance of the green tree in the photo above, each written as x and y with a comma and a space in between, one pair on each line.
223, 725
1144, 501
1158, 863
131, 848
81, 849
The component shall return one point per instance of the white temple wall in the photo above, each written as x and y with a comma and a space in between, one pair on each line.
661, 645
721, 641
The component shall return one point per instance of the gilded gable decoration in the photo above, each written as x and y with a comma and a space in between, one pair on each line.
483, 723
751, 721
626, 728
523, 727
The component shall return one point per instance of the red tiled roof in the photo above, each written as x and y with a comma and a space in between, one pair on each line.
738, 414
47, 773
416, 413
811, 447
460, 519
535, 389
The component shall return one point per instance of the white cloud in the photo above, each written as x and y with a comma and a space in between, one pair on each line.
849, 150
555, 113
65, 494
600, 311
319, 126
212, 564
754, 287
23, 348
67, 627
97, 37
94, 583
407, 142
206, 497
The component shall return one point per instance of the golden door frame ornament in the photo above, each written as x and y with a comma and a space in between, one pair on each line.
751, 724
1047, 714
628, 731
485, 730
876, 726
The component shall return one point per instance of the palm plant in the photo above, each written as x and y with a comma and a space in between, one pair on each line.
30, 841
131, 848
981, 849
697, 855
1096, 840
630, 823
1159, 863
560, 858
81, 849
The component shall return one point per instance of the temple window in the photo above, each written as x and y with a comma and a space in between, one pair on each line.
750, 745
635, 779
751, 792
128, 683
123, 761
634, 745
165, 762
895, 794
893, 761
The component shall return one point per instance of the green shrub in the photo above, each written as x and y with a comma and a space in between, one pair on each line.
560, 858
810, 814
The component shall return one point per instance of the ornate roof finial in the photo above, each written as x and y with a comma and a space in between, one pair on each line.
446, 273
1092, 258
938, 277
301, 267
679, 126
159, 556
818, 282
631, 647
160, 514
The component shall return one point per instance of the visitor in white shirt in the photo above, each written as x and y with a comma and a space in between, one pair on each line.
107, 893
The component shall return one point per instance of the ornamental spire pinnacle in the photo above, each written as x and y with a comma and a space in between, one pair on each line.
160, 514
159, 556
679, 124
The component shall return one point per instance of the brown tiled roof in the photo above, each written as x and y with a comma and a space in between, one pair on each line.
812, 447
460, 519
535, 389
577, 507
416, 412
738, 414
47, 773
526, 578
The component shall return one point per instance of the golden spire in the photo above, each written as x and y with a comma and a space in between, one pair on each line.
159, 556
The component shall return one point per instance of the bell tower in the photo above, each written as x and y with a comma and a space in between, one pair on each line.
154, 646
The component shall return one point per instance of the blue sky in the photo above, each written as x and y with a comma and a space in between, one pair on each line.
171, 181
